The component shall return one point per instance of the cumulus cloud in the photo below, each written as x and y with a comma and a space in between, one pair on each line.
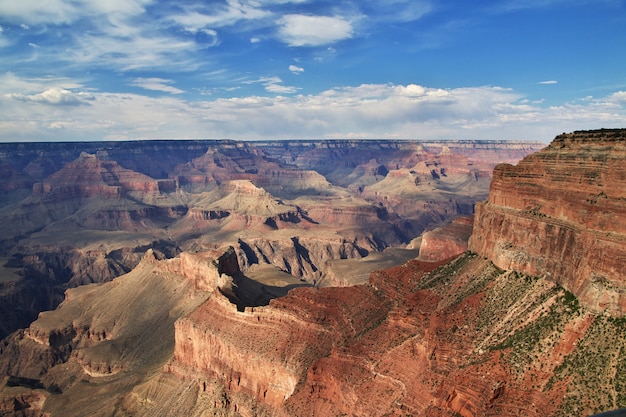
156, 84
53, 96
295, 69
618, 97
305, 30
369, 110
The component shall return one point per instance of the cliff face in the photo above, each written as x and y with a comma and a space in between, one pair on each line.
433, 339
560, 214
447, 241
465, 337
105, 338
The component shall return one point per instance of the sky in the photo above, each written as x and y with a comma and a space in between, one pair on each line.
82, 70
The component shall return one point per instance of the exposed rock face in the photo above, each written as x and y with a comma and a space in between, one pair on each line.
560, 213
447, 241
104, 338
44, 272
75, 214
463, 339
299, 329
425, 338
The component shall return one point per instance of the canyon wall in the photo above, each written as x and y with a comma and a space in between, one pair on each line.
469, 337
560, 214
447, 241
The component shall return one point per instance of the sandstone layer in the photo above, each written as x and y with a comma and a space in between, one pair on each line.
76, 213
560, 214
447, 241
106, 338
434, 339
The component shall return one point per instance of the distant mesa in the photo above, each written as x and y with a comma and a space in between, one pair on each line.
225, 280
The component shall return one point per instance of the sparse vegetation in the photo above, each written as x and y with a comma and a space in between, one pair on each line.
595, 370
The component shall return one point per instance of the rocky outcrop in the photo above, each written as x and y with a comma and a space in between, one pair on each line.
217, 342
104, 336
559, 213
45, 272
21, 397
303, 257
89, 176
464, 337
447, 241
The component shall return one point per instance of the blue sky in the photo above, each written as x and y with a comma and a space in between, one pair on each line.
289, 69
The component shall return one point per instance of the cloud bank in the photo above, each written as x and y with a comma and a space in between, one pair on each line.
365, 111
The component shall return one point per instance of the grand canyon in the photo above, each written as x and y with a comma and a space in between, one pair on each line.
314, 278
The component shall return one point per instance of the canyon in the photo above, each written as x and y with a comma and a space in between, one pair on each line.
259, 282
80, 213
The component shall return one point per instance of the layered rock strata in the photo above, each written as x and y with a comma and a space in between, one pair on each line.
447, 241
432, 339
560, 213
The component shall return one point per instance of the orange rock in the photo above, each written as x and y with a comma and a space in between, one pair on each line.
560, 214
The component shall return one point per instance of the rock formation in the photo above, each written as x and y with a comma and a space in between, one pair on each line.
462, 337
446, 242
104, 338
560, 214
466, 338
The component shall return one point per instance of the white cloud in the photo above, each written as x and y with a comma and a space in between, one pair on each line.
11, 83
121, 34
369, 110
304, 30
53, 96
548, 82
280, 89
33, 12
618, 97
156, 84
295, 69
273, 85
137, 49
217, 16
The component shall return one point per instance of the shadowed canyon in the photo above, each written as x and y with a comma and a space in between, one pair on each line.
314, 278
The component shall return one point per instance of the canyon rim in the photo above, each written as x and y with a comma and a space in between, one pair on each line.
315, 278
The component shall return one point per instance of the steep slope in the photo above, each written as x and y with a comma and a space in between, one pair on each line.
459, 337
560, 214
106, 338
465, 338
447, 241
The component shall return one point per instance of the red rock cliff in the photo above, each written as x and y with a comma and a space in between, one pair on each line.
561, 213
